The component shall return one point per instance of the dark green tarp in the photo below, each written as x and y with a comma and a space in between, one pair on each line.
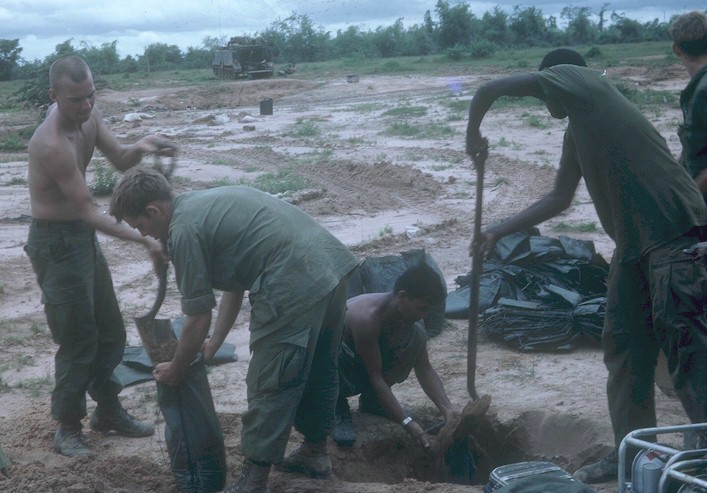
538, 292
136, 366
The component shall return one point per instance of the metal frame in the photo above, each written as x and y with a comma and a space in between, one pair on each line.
671, 469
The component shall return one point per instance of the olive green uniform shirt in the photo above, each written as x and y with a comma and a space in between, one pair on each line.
693, 130
242, 239
642, 196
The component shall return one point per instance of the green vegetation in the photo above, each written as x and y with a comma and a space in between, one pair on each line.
305, 128
16, 140
285, 180
387, 230
648, 97
407, 111
503, 142
104, 179
17, 181
536, 121
426, 131
37, 386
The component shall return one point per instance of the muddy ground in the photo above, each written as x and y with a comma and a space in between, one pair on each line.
386, 172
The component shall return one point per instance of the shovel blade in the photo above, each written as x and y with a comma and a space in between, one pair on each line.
158, 338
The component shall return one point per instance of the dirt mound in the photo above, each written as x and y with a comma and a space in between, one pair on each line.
224, 95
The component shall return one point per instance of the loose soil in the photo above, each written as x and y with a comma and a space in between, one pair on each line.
381, 193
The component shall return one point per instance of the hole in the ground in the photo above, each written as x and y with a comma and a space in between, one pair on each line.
384, 453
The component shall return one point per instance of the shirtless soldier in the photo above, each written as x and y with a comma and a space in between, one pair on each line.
77, 290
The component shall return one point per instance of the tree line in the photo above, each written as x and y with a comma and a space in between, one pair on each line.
451, 29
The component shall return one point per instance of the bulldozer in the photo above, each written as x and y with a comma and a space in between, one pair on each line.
243, 58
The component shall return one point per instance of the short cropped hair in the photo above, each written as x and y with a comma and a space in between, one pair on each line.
689, 33
138, 187
421, 282
72, 66
562, 56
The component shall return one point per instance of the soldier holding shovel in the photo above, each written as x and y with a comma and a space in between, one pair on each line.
651, 208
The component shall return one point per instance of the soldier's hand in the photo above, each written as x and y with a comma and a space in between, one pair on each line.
418, 434
486, 243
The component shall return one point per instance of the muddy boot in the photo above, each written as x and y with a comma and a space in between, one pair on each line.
605, 470
310, 458
68, 442
116, 418
254, 479
344, 432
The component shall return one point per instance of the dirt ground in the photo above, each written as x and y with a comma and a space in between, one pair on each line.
381, 194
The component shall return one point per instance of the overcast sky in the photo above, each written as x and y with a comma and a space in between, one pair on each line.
42, 24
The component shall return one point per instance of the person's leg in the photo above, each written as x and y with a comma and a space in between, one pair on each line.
679, 296
315, 413
344, 432
630, 351
104, 387
59, 253
278, 378
630, 355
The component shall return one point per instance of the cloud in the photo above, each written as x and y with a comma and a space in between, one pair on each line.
42, 24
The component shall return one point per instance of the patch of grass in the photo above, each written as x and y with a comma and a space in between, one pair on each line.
17, 181
427, 131
224, 181
407, 111
364, 108
536, 121
385, 231
22, 360
457, 105
316, 157
403, 129
356, 141
305, 128
644, 98
503, 142
441, 167
37, 385
220, 161
104, 179
564, 227
16, 140
285, 180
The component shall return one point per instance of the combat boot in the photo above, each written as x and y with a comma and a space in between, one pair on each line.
311, 459
68, 442
115, 418
254, 479
607, 469
344, 432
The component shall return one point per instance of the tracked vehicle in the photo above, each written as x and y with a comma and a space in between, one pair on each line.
243, 58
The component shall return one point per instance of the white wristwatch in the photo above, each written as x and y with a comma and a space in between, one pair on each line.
407, 421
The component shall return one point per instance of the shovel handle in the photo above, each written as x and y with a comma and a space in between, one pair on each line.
474, 282
161, 290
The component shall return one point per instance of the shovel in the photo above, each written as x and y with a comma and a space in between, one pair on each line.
157, 334
476, 268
